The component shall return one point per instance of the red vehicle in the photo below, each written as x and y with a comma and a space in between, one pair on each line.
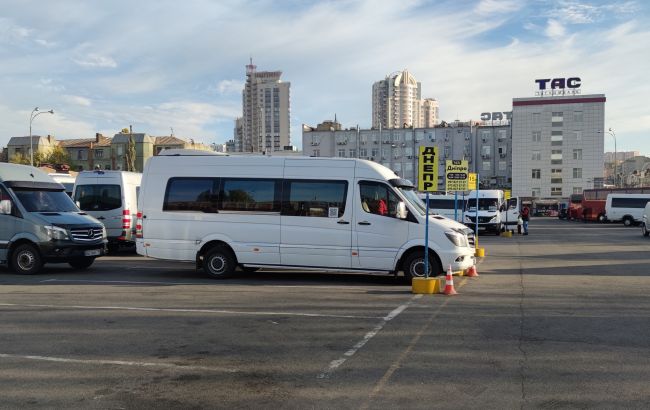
590, 206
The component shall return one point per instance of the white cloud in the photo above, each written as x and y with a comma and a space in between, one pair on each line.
554, 29
497, 6
230, 86
94, 60
77, 100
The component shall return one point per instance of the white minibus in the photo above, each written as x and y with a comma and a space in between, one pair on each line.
490, 213
222, 212
112, 198
445, 205
66, 180
626, 208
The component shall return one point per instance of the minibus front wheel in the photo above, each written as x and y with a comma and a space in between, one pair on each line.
413, 265
219, 262
26, 260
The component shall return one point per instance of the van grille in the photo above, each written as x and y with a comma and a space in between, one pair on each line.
481, 219
86, 234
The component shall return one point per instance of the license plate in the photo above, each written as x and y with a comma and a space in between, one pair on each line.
93, 252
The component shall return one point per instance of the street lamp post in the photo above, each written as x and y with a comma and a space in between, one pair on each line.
35, 113
613, 134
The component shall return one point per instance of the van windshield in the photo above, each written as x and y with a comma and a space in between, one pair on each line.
484, 204
98, 197
413, 198
44, 200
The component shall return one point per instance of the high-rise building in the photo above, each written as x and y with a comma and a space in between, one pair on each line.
266, 121
557, 144
397, 103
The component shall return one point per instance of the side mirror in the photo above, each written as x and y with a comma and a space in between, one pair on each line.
401, 210
78, 204
5, 207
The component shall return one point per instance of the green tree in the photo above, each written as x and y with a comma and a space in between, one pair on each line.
58, 155
19, 158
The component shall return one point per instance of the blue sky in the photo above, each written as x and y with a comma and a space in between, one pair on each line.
165, 64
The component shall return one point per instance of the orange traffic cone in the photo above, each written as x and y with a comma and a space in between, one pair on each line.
472, 272
449, 283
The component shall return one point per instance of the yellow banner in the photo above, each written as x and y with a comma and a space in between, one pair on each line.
471, 181
456, 175
428, 169
507, 194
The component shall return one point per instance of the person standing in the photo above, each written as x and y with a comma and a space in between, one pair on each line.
525, 217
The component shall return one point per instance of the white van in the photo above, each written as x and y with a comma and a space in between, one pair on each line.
444, 205
645, 220
112, 198
292, 212
512, 213
491, 207
66, 180
626, 208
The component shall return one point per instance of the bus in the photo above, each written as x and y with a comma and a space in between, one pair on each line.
593, 201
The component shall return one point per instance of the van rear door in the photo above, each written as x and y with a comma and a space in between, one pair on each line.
103, 199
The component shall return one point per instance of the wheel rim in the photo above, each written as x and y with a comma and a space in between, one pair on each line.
26, 260
417, 268
217, 264
627, 222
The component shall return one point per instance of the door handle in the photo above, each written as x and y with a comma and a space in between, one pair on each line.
364, 223
343, 222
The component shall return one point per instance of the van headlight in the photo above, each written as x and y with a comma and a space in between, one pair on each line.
455, 238
56, 233
494, 219
104, 233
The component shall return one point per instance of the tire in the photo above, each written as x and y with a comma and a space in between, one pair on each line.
627, 221
413, 266
26, 260
81, 262
602, 218
644, 230
219, 263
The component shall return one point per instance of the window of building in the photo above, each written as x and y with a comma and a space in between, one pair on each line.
577, 154
99, 153
556, 138
363, 153
352, 153
259, 195
397, 167
557, 116
577, 135
556, 191
577, 116
502, 135
577, 190
577, 172
408, 151
324, 199
485, 151
536, 117
375, 153
341, 153
537, 156
556, 157
397, 153
503, 150
82, 155
448, 151
378, 198
537, 136
192, 194
486, 165
536, 192
408, 167
503, 165
384, 153
556, 176
316, 153
536, 173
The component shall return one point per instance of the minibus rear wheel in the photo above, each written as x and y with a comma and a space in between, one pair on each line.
219, 263
414, 265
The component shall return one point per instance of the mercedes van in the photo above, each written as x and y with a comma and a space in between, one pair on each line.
112, 198
66, 180
221, 212
490, 212
626, 208
39, 223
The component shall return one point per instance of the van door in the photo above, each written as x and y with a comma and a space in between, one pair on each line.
512, 214
379, 234
316, 229
103, 200
7, 225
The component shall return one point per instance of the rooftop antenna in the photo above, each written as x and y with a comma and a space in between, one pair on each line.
250, 68
172, 134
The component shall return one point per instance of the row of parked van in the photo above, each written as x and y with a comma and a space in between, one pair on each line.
227, 212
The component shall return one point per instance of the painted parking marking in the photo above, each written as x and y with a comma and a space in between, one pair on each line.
175, 310
335, 364
117, 363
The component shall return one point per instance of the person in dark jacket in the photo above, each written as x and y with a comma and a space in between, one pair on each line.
525, 216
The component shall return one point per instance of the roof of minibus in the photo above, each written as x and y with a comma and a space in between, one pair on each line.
17, 172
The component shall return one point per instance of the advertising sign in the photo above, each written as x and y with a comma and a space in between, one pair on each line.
428, 169
471, 181
456, 175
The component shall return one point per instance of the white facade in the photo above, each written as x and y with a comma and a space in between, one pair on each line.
266, 112
396, 101
557, 145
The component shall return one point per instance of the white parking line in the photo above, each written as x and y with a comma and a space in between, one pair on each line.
335, 364
117, 363
225, 312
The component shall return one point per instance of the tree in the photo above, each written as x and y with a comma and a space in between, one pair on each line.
19, 158
58, 155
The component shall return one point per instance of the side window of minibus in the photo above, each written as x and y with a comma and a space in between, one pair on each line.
5, 196
376, 198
